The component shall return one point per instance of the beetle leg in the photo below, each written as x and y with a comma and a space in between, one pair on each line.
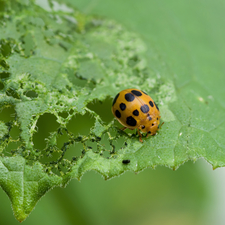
140, 139
161, 125
123, 128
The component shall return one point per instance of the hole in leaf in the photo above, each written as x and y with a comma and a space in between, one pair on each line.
103, 109
62, 168
11, 148
53, 152
3, 6
75, 150
105, 142
4, 64
31, 94
1, 86
4, 75
13, 93
52, 155
92, 146
46, 124
7, 113
55, 170
5, 48
15, 132
71, 111
62, 138
80, 125
63, 114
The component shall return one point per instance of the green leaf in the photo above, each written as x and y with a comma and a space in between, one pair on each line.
24, 184
57, 65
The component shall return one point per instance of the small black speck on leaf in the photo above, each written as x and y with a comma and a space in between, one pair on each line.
126, 161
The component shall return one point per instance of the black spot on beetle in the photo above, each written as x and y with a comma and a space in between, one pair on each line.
149, 118
122, 106
114, 101
156, 106
144, 108
135, 112
129, 97
131, 121
149, 132
137, 93
142, 127
118, 114
151, 104
126, 161
153, 124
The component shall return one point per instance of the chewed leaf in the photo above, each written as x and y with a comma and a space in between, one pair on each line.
60, 70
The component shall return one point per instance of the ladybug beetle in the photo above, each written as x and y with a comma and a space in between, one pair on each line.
133, 108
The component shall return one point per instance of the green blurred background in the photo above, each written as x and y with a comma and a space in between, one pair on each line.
182, 33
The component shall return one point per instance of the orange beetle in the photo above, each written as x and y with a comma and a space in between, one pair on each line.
133, 108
